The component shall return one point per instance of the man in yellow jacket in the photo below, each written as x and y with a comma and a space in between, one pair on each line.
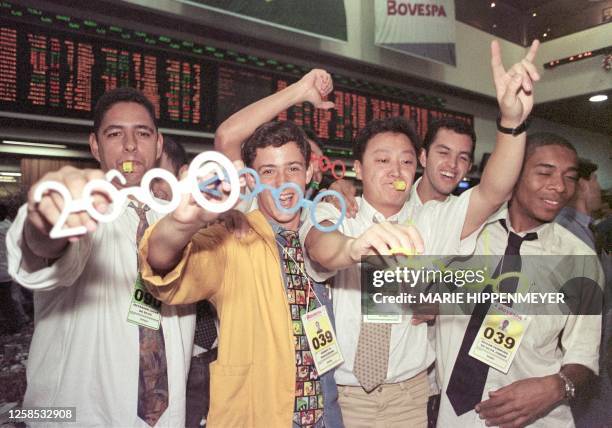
264, 374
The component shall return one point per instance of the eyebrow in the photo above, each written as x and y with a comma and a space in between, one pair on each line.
445, 147
551, 166
272, 165
387, 151
112, 126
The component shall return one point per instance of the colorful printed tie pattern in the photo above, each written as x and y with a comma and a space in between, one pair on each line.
153, 371
308, 410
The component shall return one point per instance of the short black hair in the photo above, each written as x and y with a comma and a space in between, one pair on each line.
397, 125
311, 134
453, 124
120, 95
542, 139
586, 168
274, 134
175, 152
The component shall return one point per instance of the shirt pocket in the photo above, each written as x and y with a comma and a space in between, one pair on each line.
231, 396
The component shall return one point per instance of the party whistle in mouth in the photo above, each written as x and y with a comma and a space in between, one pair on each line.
399, 185
127, 166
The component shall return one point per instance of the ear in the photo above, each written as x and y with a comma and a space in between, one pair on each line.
93, 146
357, 167
159, 145
309, 173
182, 170
423, 158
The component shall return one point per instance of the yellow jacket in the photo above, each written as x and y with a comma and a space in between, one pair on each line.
253, 379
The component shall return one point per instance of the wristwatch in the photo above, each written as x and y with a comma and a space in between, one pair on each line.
512, 131
570, 389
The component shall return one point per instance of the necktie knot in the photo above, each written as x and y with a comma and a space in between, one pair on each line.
515, 241
140, 208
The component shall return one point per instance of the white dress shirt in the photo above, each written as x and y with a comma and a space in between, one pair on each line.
410, 352
539, 353
84, 352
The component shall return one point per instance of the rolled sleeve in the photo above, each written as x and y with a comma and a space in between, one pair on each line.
62, 272
324, 211
580, 341
197, 276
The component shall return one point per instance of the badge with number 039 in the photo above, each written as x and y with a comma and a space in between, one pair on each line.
145, 310
499, 337
322, 340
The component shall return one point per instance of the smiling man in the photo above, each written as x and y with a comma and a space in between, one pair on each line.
84, 352
558, 353
264, 374
384, 376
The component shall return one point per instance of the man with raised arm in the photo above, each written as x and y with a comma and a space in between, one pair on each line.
394, 388
265, 373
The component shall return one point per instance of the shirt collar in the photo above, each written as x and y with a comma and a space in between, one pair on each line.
544, 231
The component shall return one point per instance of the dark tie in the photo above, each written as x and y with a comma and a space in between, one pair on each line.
469, 375
153, 371
205, 331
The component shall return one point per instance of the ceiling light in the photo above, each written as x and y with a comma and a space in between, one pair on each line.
545, 35
534, 14
26, 143
11, 174
598, 98
492, 4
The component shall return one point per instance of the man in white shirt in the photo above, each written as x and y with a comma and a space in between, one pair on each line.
84, 352
558, 352
386, 155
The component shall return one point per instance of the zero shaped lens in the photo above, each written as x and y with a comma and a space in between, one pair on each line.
276, 193
257, 189
313, 210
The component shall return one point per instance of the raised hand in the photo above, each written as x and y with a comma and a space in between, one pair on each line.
315, 86
514, 87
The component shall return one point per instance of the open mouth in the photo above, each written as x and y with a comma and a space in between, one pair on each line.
551, 203
448, 175
128, 166
286, 199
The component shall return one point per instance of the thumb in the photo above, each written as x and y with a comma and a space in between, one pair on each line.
326, 105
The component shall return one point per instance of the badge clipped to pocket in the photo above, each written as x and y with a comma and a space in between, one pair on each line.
499, 337
145, 310
322, 340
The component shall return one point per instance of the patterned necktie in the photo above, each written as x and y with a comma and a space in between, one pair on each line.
153, 371
469, 375
372, 355
206, 330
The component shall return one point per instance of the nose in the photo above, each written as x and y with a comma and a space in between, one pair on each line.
395, 168
129, 142
557, 183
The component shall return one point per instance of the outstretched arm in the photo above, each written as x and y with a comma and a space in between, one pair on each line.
514, 89
313, 87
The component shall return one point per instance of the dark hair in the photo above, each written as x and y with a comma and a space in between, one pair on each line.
311, 134
175, 152
3, 210
397, 125
119, 95
452, 124
586, 168
274, 134
542, 139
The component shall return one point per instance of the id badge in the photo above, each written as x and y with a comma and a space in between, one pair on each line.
499, 337
322, 340
145, 310
383, 319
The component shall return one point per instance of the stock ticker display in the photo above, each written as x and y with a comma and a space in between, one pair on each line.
58, 65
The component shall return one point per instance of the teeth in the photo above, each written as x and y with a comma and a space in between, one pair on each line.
286, 197
447, 174
548, 201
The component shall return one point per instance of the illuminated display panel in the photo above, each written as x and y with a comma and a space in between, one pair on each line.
56, 65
